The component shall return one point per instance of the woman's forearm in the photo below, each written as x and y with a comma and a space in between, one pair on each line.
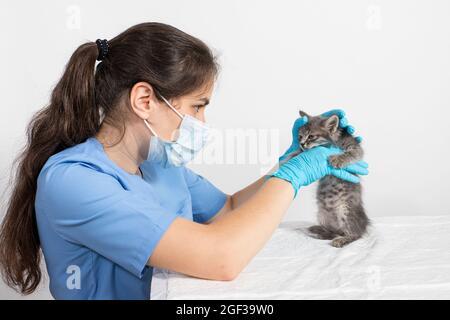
243, 195
244, 230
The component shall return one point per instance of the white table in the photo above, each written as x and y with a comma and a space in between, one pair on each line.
400, 258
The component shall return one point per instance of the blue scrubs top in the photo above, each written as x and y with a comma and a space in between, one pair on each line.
98, 224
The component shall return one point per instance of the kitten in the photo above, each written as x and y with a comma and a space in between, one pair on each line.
341, 215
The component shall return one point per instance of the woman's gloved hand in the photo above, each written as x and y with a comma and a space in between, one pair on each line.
343, 122
300, 122
312, 165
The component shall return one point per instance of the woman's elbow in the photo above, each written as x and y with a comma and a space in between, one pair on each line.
229, 266
225, 256
228, 273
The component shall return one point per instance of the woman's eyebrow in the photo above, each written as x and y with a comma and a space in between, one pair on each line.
205, 101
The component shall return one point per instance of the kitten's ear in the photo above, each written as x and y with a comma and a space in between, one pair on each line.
303, 113
332, 123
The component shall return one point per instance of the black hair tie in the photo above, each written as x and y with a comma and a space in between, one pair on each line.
103, 48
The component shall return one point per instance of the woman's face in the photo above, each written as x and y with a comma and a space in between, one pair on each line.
192, 104
162, 119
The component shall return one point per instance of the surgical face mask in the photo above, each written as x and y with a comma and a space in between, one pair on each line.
193, 135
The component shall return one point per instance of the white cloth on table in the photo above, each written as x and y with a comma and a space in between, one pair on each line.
400, 258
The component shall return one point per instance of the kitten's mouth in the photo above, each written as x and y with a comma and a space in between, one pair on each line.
304, 147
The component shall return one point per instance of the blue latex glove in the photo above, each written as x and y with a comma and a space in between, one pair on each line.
300, 122
312, 165
343, 122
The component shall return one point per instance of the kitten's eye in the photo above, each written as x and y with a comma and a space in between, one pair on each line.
312, 137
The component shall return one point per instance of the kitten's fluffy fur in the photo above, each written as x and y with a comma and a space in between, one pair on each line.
341, 215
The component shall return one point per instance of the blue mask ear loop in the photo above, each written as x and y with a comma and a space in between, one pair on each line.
171, 107
168, 103
150, 128
174, 110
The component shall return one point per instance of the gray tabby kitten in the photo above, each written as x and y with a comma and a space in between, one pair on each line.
341, 215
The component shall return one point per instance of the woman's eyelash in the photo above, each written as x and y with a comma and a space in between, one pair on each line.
198, 107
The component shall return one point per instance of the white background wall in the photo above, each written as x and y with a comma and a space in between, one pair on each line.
387, 63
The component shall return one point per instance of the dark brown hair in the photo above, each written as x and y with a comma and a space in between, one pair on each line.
173, 62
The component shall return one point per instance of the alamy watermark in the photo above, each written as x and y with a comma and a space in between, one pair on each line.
374, 20
239, 146
73, 20
74, 279
373, 281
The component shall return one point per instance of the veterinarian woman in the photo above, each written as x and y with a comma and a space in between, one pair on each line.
102, 188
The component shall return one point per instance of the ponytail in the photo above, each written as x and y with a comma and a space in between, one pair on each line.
70, 118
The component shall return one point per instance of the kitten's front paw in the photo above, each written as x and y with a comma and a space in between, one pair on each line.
337, 161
